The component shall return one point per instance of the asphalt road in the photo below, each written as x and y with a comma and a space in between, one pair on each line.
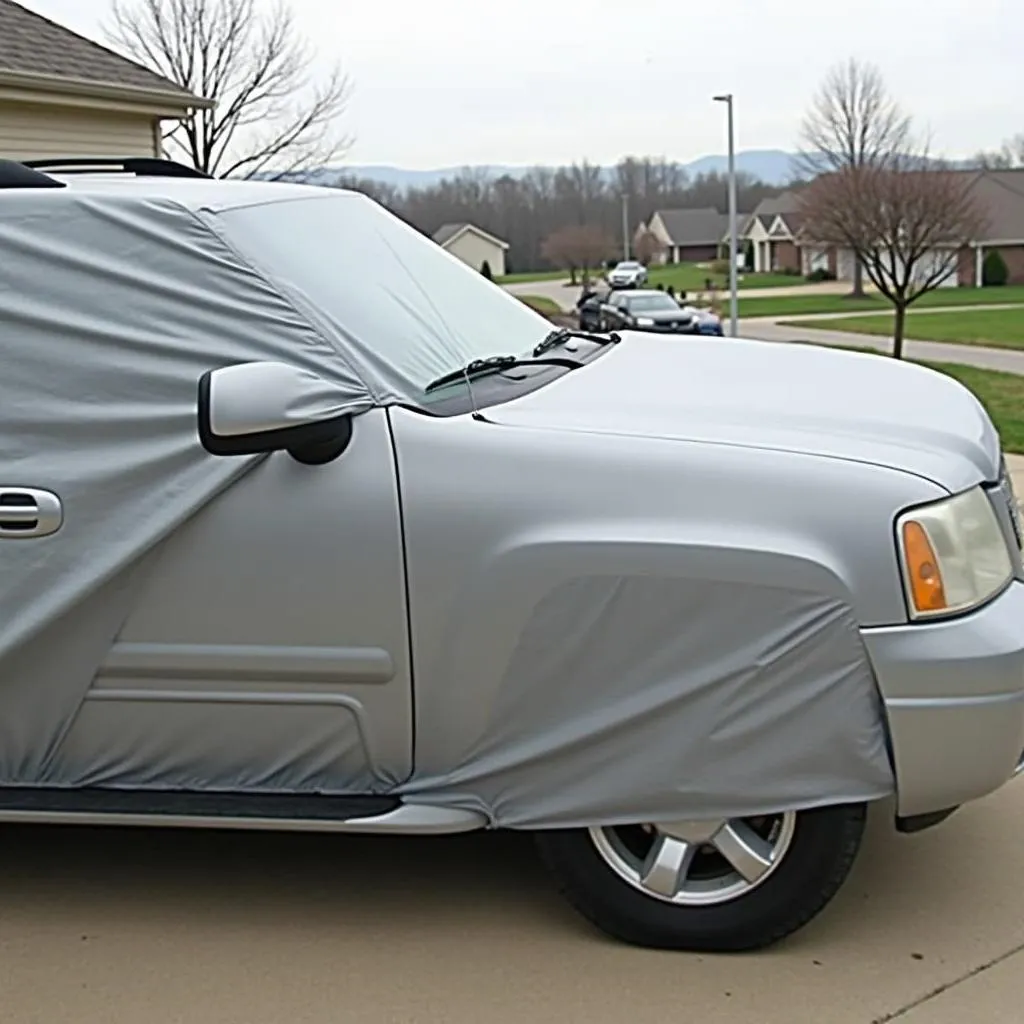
565, 295
143, 927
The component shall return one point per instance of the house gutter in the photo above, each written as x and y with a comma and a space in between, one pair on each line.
81, 87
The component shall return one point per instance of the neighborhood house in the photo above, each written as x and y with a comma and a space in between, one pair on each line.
62, 95
686, 236
775, 232
474, 246
1000, 195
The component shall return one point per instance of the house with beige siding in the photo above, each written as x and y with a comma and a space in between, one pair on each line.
780, 242
62, 95
474, 246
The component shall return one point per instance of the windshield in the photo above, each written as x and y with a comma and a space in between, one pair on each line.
650, 303
627, 266
398, 308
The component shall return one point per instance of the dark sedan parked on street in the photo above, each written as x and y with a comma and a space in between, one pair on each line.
646, 311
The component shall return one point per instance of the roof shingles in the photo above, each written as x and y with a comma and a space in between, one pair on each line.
446, 232
1000, 194
32, 44
696, 227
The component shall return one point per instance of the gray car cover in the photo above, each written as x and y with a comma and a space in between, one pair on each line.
113, 303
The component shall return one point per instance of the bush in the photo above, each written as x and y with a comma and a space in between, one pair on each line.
994, 273
791, 271
821, 274
719, 267
486, 270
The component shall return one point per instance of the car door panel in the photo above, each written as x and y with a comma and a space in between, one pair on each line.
268, 647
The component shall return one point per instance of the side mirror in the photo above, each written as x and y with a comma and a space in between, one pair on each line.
257, 408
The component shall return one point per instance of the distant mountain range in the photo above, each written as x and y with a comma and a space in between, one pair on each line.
773, 166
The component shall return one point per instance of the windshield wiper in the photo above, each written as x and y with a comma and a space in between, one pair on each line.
563, 334
495, 364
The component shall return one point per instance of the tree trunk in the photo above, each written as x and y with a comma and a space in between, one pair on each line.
572, 275
899, 321
858, 279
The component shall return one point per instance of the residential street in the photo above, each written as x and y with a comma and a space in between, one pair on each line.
565, 294
771, 328
123, 926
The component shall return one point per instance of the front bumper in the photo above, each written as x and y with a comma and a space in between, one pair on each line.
684, 330
954, 698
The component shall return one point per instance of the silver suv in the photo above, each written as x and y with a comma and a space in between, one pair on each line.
306, 525
627, 274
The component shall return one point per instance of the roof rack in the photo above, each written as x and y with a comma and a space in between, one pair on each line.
18, 175
140, 166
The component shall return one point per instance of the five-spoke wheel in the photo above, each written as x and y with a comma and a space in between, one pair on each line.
717, 886
697, 863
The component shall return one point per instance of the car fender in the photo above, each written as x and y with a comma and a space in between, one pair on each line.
514, 534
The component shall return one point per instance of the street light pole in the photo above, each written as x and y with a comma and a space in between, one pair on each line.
733, 229
625, 226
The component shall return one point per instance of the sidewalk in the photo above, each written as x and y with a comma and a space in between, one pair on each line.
912, 312
774, 329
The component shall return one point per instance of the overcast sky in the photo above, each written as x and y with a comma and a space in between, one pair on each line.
453, 82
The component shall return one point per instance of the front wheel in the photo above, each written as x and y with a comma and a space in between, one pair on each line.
707, 886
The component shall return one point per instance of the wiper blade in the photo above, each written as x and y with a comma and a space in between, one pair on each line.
563, 334
496, 364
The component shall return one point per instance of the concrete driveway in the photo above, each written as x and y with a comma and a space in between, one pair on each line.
122, 927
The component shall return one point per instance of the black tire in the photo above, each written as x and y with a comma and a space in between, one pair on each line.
824, 846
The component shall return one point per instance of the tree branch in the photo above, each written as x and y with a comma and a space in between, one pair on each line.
269, 114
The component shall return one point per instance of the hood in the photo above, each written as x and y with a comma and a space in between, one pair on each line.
783, 396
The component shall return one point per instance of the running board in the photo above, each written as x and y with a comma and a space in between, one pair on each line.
264, 811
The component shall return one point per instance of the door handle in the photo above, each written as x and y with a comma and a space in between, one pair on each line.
29, 512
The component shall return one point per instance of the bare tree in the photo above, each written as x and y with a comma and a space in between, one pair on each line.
524, 209
647, 246
577, 247
905, 220
269, 115
1008, 156
852, 123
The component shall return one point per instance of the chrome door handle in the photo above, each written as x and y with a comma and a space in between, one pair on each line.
28, 512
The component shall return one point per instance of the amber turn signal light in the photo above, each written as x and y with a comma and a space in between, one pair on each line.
926, 586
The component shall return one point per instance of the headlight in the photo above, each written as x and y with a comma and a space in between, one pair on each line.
644, 321
954, 555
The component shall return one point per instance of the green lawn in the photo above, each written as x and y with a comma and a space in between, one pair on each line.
541, 303
687, 277
690, 277
533, 275
796, 305
998, 328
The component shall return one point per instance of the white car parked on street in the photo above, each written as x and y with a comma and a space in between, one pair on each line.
628, 274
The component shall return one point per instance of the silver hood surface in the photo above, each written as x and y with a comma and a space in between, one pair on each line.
790, 397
